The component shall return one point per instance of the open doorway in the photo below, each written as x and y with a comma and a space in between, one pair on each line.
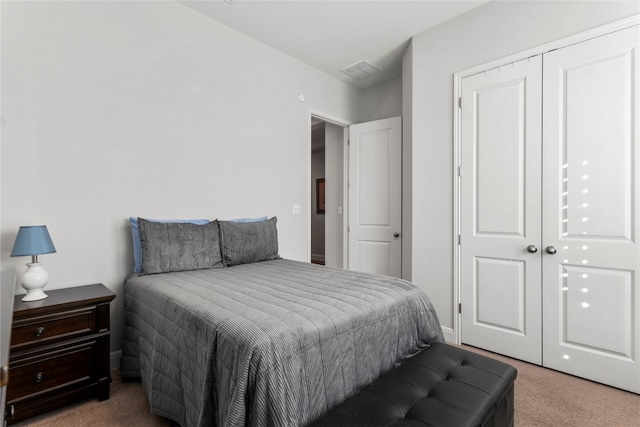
327, 193
318, 192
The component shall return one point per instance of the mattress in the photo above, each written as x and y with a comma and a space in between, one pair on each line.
272, 343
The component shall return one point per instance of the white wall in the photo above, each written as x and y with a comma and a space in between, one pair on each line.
490, 32
407, 164
381, 101
118, 109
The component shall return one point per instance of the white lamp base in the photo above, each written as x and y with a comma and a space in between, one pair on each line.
33, 280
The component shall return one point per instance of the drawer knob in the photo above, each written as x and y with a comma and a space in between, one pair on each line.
39, 331
38, 377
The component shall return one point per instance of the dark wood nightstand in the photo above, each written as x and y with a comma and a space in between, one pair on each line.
59, 350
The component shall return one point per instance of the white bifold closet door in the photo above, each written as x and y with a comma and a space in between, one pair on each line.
591, 210
564, 293
501, 210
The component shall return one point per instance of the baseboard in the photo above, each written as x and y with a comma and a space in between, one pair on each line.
449, 336
114, 360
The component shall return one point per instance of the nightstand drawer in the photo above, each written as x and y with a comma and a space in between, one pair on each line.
50, 370
52, 327
59, 350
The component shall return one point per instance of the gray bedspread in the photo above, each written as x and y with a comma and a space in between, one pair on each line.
273, 343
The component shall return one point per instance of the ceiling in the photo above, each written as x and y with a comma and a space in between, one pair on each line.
330, 35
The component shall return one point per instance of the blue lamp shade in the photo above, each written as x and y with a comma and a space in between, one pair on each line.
33, 240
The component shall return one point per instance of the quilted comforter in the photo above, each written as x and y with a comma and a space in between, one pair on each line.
273, 343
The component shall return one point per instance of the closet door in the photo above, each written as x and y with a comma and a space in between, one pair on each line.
591, 187
500, 277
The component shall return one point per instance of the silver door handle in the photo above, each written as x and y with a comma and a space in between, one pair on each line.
550, 250
396, 234
532, 249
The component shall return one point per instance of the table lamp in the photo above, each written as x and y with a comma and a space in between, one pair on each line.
33, 240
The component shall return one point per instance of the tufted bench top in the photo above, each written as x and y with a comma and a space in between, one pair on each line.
442, 385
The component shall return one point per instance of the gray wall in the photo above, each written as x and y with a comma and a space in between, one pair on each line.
381, 101
407, 165
334, 170
490, 32
118, 109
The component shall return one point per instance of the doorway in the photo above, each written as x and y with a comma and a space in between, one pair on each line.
327, 192
362, 203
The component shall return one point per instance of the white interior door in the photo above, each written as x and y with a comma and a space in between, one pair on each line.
500, 210
375, 197
592, 211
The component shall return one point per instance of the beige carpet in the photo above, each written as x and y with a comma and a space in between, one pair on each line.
549, 398
543, 398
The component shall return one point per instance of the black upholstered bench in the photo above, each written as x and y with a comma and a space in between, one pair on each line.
442, 385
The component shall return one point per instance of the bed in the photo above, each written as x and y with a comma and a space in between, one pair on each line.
272, 342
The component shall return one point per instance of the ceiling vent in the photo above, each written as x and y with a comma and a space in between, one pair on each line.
361, 69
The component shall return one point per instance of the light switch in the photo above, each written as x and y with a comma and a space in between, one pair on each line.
339, 210
296, 209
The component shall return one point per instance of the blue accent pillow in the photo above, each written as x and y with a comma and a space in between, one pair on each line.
262, 218
135, 236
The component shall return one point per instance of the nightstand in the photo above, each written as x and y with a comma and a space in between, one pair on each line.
59, 350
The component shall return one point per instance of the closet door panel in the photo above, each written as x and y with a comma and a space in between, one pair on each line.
591, 291
595, 139
500, 210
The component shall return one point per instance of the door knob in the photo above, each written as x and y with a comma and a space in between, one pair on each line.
532, 249
396, 234
550, 250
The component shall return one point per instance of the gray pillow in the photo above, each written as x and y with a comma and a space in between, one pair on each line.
246, 242
170, 247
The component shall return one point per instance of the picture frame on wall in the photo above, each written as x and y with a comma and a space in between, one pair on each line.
320, 196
